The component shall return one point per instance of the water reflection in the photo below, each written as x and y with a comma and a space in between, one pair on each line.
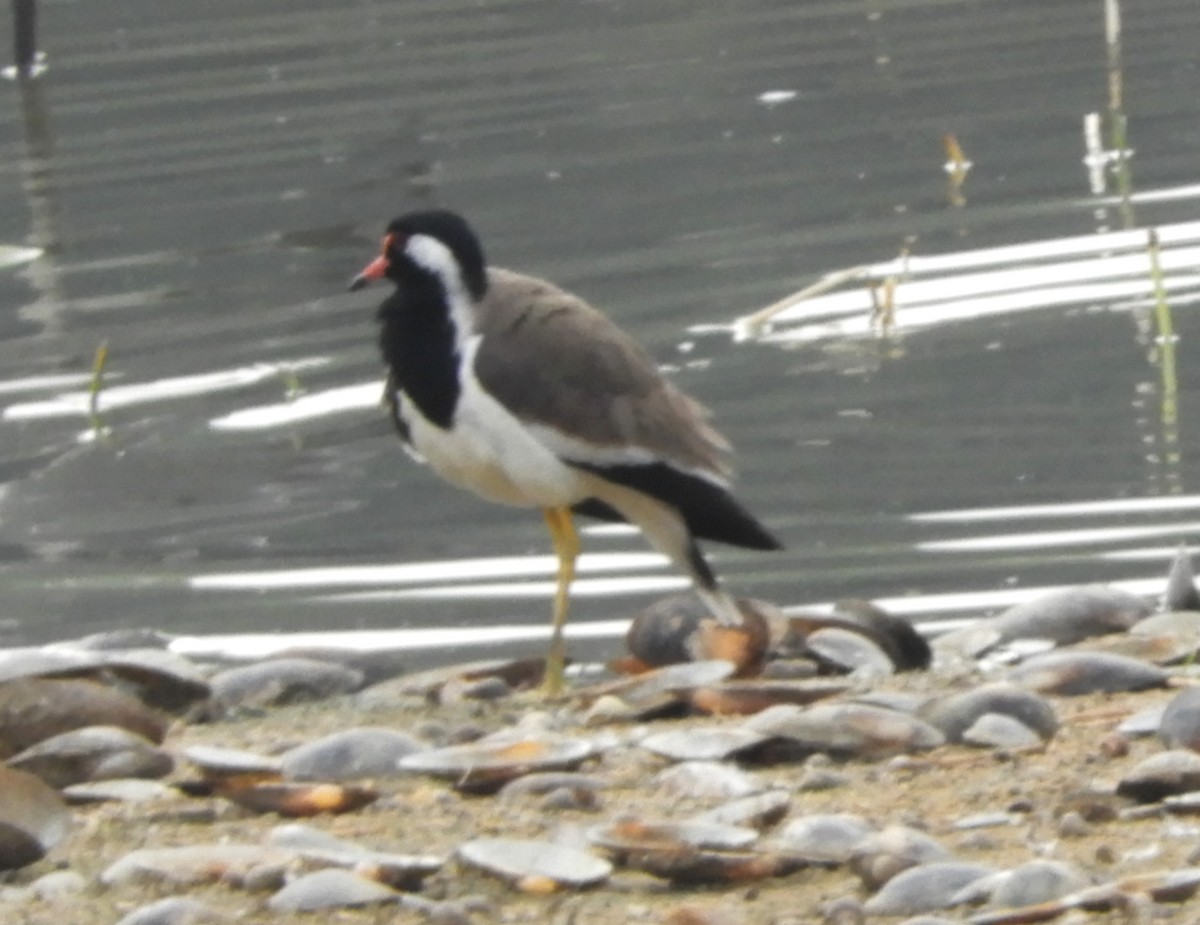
44, 201
912, 426
1112, 270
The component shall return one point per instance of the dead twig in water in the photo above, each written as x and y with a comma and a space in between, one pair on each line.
752, 325
95, 387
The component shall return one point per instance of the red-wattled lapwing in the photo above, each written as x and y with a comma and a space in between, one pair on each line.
524, 394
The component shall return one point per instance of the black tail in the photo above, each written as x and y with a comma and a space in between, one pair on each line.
708, 509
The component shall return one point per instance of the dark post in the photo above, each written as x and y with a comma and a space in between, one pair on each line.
25, 35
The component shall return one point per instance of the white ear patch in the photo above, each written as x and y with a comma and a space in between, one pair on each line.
433, 256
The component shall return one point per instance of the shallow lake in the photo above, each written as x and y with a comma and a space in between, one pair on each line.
995, 393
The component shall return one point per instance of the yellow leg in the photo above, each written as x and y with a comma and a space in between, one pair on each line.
566, 547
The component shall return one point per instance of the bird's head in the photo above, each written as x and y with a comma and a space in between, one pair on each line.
437, 244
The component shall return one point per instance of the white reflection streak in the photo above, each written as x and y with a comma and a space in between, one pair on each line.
1048, 538
306, 407
258, 645
581, 587
974, 601
1162, 554
12, 255
1071, 509
420, 572
73, 404
39, 383
1097, 268
970, 306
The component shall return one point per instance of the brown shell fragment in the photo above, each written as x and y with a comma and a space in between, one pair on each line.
630, 836
400, 871
705, 867
846, 728
33, 709
487, 766
691, 852
895, 637
742, 698
93, 753
230, 768
680, 628
299, 800
33, 818
517, 673
655, 691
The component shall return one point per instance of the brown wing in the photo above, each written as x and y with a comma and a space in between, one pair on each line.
551, 359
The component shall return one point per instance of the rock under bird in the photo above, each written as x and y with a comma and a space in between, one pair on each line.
524, 394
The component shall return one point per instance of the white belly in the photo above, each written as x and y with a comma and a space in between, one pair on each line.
490, 452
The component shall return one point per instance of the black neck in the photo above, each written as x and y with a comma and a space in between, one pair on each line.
418, 344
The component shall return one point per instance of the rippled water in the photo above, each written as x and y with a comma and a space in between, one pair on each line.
200, 180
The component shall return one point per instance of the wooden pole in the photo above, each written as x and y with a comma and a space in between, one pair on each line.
25, 35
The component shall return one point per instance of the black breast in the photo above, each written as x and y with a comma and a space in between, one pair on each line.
417, 341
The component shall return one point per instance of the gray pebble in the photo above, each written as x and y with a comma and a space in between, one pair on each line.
846, 910
586, 786
1072, 614
120, 790
58, 884
331, 888
846, 728
996, 730
925, 888
882, 855
706, 780
1034, 882
829, 838
1180, 723
986, 820
516, 859
1161, 775
281, 681
173, 911
757, 811
564, 799
702, 744
1072, 825
849, 652
1144, 722
1181, 593
349, 755
191, 864
93, 753
953, 714
813, 780
1077, 672
1039, 881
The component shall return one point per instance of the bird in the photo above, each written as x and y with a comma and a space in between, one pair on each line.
518, 391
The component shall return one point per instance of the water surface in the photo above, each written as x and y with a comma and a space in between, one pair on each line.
202, 179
